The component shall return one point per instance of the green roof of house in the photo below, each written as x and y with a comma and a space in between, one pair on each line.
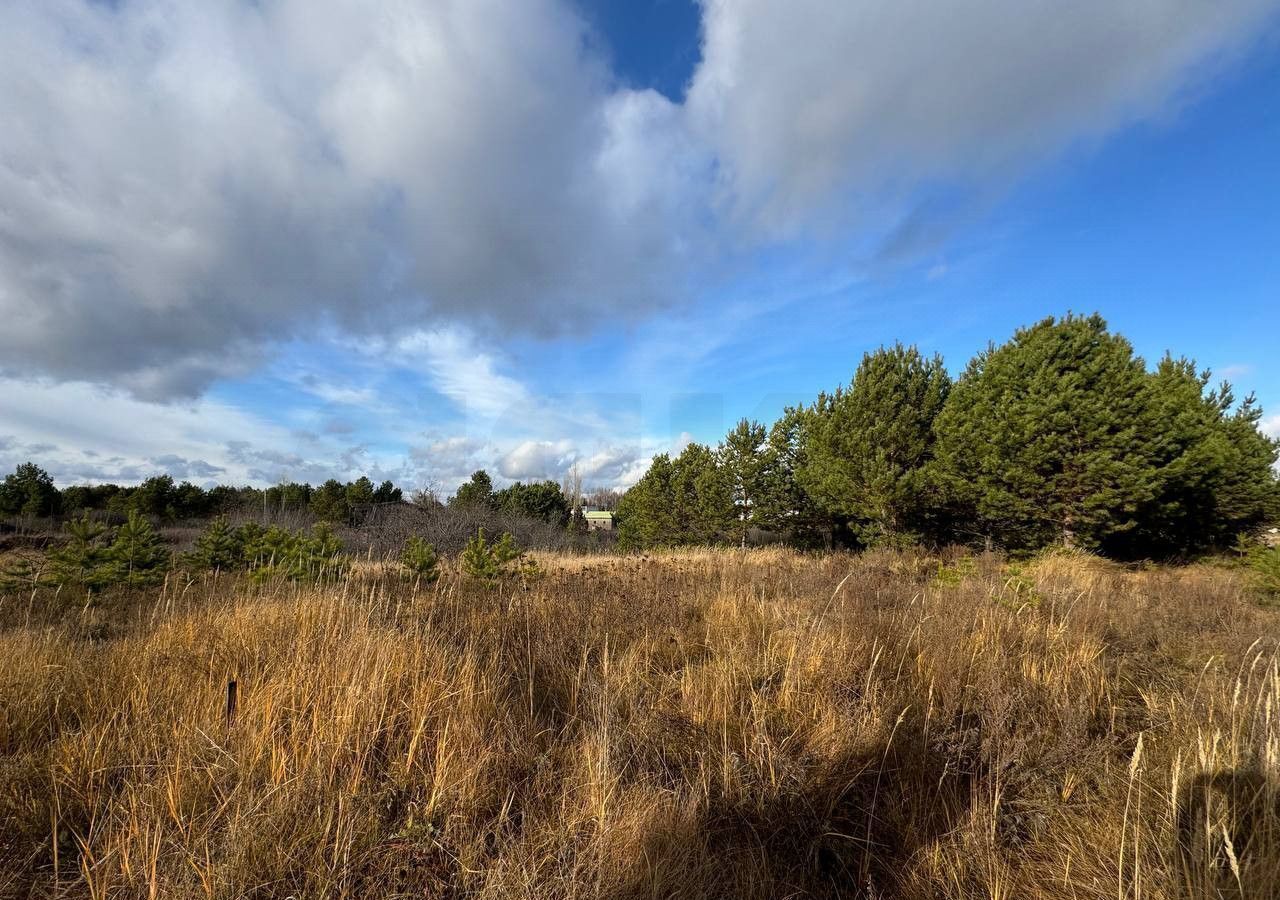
599, 514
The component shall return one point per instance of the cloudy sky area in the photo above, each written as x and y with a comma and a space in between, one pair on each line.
246, 241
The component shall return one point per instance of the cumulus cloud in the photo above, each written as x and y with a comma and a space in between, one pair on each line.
83, 433
185, 184
537, 460
816, 107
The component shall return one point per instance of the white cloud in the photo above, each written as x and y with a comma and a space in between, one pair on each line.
184, 185
461, 371
847, 109
81, 432
537, 460
1271, 426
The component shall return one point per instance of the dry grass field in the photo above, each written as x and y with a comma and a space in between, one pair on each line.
715, 724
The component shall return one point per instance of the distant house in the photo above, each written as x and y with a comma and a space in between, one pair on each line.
599, 519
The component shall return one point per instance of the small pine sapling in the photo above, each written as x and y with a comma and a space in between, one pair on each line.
138, 556
420, 561
85, 559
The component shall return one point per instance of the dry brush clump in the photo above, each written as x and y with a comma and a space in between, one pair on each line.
705, 724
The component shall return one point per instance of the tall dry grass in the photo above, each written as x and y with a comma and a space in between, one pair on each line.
711, 724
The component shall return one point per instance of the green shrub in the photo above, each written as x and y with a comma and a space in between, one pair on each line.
420, 560
268, 553
1264, 568
953, 575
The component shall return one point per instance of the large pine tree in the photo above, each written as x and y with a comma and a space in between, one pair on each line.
1215, 476
783, 506
1049, 437
688, 500
646, 513
744, 463
867, 444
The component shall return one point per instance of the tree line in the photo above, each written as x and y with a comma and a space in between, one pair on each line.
1061, 435
30, 492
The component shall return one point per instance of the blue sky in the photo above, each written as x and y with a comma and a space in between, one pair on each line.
250, 242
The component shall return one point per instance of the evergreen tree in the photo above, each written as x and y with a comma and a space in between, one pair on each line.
387, 493
219, 547
867, 445
190, 501
29, 491
476, 492
646, 513
478, 560
1248, 492
703, 497
1214, 467
743, 460
688, 500
288, 495
1048, 437
329, 502
360, 493
75, 499
137, 555
420, 561
85, 559
277, 552
784, 506
488, 562
157, 496
539, 500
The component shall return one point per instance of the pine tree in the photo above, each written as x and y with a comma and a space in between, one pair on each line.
479, 561
420, 560
85, 559
29, 491
360, 493
137, 555
387, 492
219, 547
329, 502
1248, 492
538, 500
742, 458
868, 444
784, 506
1214, 467
1047, 438
702, 498
476, 492
646, 513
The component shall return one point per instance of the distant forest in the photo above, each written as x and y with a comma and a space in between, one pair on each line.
1059, 436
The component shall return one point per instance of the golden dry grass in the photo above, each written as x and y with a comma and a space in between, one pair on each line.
705, 724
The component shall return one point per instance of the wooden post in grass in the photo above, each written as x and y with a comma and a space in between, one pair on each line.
232, 692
